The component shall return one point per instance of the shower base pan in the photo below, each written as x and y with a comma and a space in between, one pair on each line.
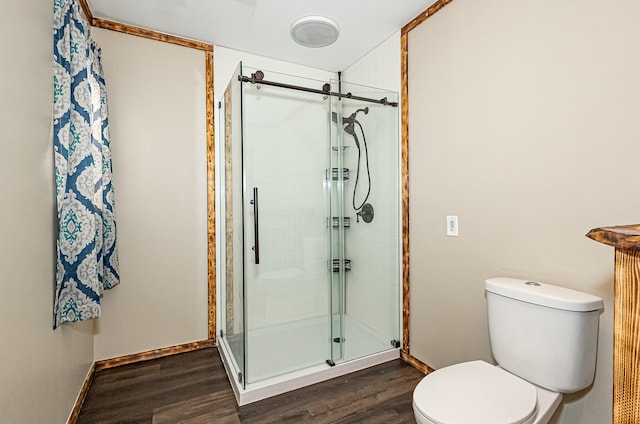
278, 384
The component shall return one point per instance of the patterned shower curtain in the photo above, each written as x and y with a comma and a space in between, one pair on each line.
87, 257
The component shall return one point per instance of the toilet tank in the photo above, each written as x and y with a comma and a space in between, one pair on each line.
543, 333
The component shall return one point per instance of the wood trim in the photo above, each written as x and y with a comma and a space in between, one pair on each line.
87, 11
152, 354
626, 337
620, 237
75, 412
152, 35
143, 32
416, 363
626, 318
406, 293
427, 13
211, 205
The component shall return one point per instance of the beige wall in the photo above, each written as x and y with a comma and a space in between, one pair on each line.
157, 117
41, 370
524, 123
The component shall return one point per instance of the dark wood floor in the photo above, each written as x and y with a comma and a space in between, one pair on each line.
192, 388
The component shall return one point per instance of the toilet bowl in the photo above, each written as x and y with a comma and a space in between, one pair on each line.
543, 337
480, 393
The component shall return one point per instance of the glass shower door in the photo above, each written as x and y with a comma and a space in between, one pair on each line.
233, 322
286, 270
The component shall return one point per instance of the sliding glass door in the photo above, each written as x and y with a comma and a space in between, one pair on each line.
285, 166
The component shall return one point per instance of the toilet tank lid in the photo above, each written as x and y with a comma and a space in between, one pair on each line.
544, 294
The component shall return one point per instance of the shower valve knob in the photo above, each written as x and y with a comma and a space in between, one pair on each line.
366, 212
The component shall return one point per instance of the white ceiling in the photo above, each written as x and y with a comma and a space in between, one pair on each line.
262, 26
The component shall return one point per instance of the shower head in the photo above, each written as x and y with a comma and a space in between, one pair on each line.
350, 129
349, 123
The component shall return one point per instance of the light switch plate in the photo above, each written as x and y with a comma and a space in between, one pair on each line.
452, 226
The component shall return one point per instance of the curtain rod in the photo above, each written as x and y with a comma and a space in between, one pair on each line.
257, 78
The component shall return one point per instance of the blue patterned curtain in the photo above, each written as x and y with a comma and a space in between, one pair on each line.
87, 257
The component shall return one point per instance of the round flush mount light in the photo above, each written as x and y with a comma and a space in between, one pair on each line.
314, 31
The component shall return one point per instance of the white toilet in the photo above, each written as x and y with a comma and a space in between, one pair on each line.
544, 339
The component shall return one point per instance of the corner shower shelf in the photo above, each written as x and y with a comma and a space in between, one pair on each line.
336, 222
336, 265
335, 173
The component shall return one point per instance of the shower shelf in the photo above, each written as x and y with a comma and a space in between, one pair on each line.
335, 174
336, 265
336, 222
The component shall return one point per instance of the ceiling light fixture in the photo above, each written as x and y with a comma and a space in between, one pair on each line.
314, 31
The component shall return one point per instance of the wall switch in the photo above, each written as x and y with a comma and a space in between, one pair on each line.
452, 226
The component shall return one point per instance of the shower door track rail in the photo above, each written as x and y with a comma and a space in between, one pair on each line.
257, 78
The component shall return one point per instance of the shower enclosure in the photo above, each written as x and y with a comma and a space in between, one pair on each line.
309, 267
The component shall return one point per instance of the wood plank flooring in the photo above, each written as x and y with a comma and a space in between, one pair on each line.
192, 388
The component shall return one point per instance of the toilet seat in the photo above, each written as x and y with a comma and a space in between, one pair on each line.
475, 392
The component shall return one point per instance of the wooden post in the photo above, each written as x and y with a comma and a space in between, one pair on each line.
626, 324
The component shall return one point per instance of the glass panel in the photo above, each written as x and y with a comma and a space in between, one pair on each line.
340, 221
370, 295
233, 322
285, 145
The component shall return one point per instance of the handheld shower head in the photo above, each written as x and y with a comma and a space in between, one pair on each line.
349, 123
350, 129
349, 126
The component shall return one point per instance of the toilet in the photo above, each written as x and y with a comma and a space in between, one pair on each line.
544, 339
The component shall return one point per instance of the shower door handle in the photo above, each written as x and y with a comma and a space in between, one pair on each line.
256, 232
